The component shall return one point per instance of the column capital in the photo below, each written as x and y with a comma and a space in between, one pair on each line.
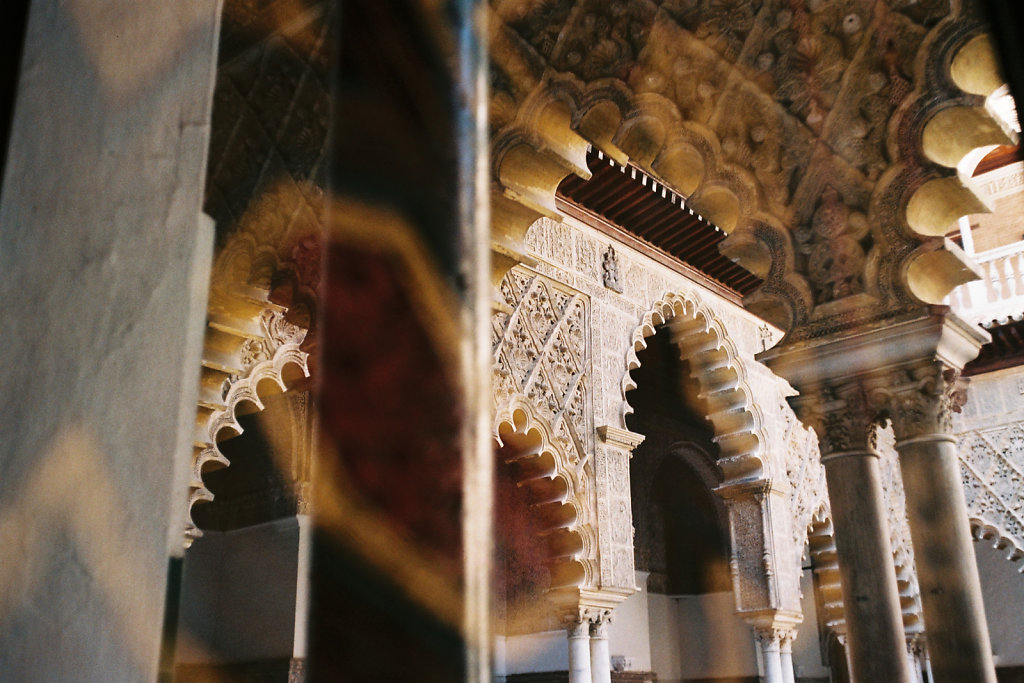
586, 620
599, 625
841, 414
921, 398
774, 628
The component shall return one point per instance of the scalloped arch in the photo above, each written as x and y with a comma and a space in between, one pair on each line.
206, 453
982, 530
736, 420
252, 347
534, 152
575, 565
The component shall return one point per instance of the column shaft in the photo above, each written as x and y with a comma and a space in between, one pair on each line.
579, 653
954, 615
786, 659
876, 646
600, 659
772, 662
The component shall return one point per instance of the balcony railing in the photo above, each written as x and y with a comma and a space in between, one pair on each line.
999, 294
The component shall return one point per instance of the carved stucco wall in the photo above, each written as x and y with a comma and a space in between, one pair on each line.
990, 432
565, 288
571, 254
541, 354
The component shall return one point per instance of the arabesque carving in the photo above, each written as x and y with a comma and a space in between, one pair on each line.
542, 361
541, 351
791, 126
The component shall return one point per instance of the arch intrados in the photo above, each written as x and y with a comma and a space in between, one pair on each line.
555, 510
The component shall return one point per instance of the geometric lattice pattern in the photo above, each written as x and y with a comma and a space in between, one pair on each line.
540, 351
992, 462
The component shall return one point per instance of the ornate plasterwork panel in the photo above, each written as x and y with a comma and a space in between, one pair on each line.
721, 339
990, 434
542, 370
808, 492
899, 530
541, 351
614, 516
992, 463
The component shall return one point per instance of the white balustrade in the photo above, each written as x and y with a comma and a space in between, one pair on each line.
999, 295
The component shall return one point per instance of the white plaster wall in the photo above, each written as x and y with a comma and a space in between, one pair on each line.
629, 631
699, 636
103, 283
807, 646
240, 594
666, 641
1002, 588
534, 652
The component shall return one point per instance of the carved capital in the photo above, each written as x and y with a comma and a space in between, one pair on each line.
577, 626
921, 399
586, 621
599, 624
771, 638
841, 415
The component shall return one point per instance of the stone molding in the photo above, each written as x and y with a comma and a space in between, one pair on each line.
623, 438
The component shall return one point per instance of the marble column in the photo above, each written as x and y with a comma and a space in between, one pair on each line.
768, 644
578, 632
600, 659
846, 427
922, 399
786, 656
